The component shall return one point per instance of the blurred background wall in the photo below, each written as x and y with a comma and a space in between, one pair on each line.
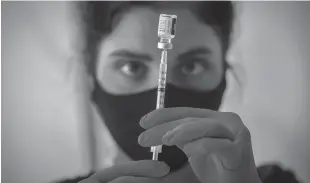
44, 102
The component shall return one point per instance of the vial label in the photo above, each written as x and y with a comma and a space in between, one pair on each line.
166, 26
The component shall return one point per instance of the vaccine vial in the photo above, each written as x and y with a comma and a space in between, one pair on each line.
166, 26
166, 30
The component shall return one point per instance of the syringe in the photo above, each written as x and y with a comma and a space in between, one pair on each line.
166, 31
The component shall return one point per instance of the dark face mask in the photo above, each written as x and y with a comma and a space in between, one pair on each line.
122, 114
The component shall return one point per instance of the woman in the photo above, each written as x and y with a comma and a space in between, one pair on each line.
200, 143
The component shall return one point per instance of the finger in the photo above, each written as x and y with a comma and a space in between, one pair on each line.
143, 168
242, 148
183, 131
190, 131
165, 115
205, 146
160, 116
132, 179
153, 136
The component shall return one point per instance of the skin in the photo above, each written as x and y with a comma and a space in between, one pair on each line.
218, 144
136, 33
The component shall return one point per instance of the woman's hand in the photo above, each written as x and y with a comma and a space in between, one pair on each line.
217, 143
144, 171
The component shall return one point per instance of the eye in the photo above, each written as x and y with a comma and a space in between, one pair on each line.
192, 68
133, 68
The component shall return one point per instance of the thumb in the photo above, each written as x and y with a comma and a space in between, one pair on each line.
143, 168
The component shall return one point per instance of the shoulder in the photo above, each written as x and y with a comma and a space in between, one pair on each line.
273, 173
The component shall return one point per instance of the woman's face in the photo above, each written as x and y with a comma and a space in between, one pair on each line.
128, 58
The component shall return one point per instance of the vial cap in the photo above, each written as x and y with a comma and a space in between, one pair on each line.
165, 46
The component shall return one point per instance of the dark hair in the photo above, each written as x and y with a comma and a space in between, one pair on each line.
99, 19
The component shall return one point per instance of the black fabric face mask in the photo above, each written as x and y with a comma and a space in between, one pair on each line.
122, 113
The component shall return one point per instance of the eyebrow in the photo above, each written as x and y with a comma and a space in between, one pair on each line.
146, 57
195, 51
131, 55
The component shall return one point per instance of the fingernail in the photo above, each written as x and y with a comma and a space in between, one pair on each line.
166, 168
143, 118
168, 137
161, 168
143, 139
142, 121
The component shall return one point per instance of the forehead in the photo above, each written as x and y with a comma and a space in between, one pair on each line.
137, 31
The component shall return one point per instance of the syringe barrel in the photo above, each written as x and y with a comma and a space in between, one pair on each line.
162, 81
166, 32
